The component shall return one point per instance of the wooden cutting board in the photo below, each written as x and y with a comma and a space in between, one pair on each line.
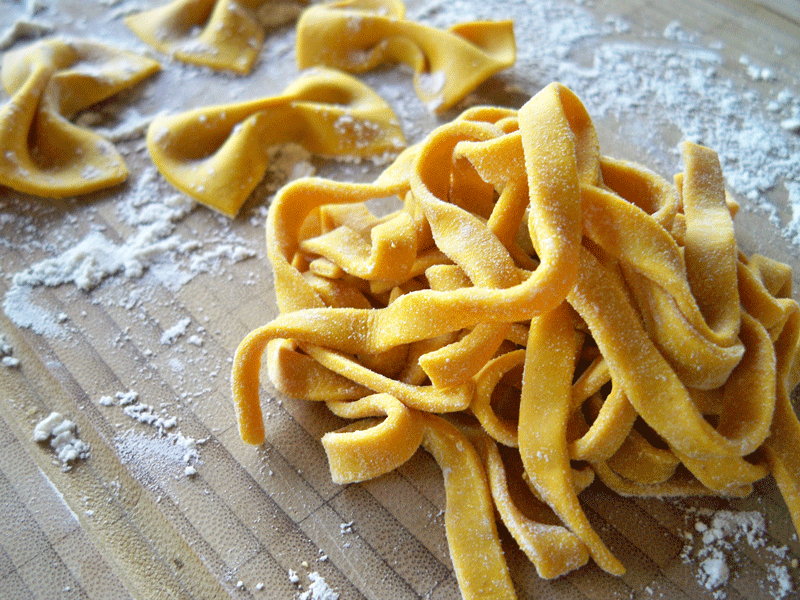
129, 522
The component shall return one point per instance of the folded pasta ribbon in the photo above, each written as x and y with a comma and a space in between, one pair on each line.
556, 308
41, 151
218, 154
359, 35
220, 34
371, 447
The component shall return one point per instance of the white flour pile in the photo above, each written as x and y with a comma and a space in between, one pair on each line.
715, 546
6, 353
152, 210
317, 589
62, 435
167, 444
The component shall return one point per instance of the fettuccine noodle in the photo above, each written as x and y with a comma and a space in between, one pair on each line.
535, 315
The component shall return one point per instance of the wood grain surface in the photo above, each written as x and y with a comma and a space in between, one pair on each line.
129, 523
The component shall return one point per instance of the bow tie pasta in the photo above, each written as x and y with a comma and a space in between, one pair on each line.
536, 315
220, 34
357, 36
41, 151
218, 154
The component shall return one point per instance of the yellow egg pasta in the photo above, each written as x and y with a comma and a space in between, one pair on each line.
219, 154
359, 35
535, 315
50, 82
220, 34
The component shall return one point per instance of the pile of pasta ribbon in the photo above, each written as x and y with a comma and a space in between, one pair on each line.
41, 151
535, 316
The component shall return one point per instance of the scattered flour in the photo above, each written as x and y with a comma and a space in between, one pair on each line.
714, 546
168, 446
176, 331
317, 589
6, 351
9, 362
345, 528
63, 437
153, 211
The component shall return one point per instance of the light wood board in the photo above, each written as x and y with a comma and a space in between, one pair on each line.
127, 522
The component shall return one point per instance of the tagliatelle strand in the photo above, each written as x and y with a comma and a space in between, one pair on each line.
553, 549
536, 295
370, 448
608, 431
544, 410
469, 518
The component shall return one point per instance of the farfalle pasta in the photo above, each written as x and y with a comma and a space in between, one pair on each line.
359, 35
536, 316
220, 34
41, 151
219, 154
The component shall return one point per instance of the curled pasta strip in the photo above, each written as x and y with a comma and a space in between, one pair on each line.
298, 375
544, 410
469, 519
495, 425
678, 486
553, 549
608, 432
389, 256
543, 295
50, 82
359, 35
220, 34
369, 448
218, 154
639, 461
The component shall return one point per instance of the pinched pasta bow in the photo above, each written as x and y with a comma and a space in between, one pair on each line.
41, 151
218, 154
220, 34
566, 314
359, 35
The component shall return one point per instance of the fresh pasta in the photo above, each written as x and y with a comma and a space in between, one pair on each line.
219, 154
219, 34
535, 316
359, 35
41, 151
